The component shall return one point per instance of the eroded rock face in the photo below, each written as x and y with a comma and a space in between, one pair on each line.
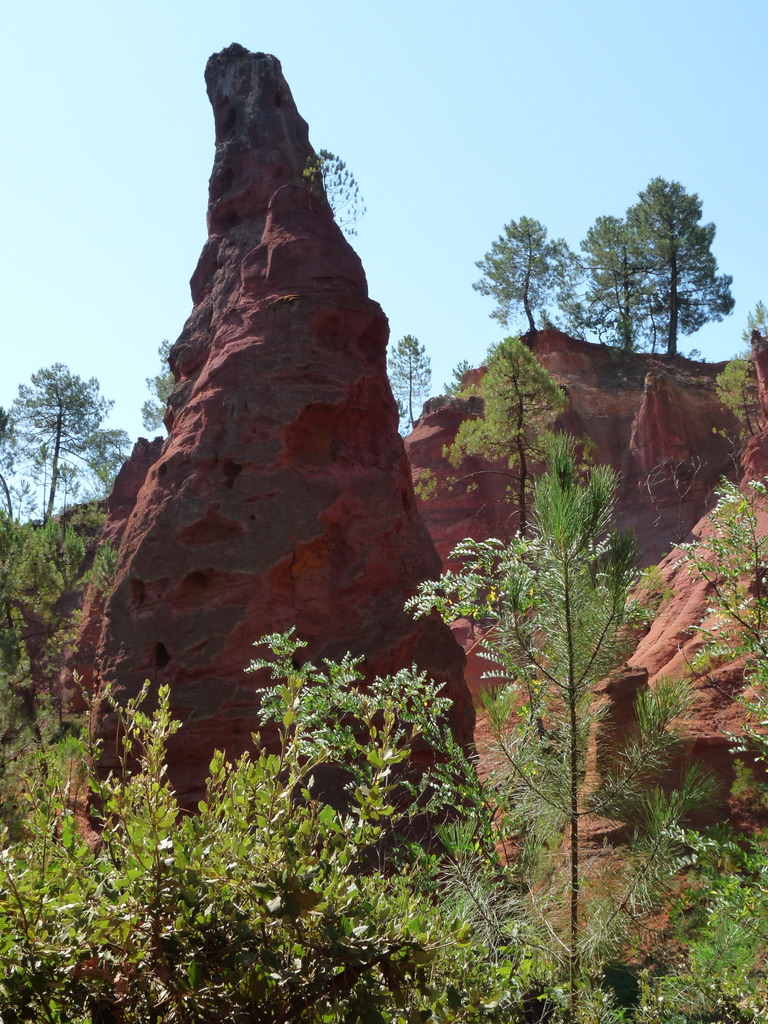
670, 648
283, 495
473, 507
77, 673
759, 345
656, 421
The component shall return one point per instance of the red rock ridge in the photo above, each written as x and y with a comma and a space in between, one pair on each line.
656, 421
283, 495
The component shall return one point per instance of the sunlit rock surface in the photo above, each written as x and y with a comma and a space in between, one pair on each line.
283, 495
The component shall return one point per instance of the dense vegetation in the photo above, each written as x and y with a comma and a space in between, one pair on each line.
443, 896
325, 880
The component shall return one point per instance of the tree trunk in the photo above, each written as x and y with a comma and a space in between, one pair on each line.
55, 465
627, 330
571, 697
7, 493
522, 500
526, 289
528, 313
674, 306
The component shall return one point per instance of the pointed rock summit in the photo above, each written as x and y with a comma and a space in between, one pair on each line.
282, 495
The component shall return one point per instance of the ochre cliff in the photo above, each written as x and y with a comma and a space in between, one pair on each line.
282, 495
672, 643
656, 421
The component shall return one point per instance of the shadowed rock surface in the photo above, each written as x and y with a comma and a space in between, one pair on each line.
79, 661
282, 495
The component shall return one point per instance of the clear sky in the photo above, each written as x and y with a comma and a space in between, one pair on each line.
454, 117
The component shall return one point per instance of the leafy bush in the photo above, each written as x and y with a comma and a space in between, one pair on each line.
269, 905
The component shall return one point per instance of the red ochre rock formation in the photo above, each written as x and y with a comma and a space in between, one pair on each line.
760, 359
672, 643
282, 495
121, 502
656, 421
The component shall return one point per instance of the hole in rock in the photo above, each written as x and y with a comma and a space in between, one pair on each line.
162, 657
231, 471
226, 120
229, 219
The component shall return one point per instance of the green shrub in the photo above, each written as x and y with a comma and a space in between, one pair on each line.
268, 905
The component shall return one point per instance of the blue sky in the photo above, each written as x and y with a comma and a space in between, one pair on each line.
454, 117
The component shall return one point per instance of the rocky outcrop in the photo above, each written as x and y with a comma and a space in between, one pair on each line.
656, 421
670, 648
476, 505
125, 490
77, 673
282, 496
659, 424
759, 347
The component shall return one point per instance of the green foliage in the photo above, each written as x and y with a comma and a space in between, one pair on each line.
268, 905
652, 590
104, 568
750, 785
616, 303
737, 389
6, 460
676, 250
756, 321
520, 401
734, 561
38, 566
410, 375
58, 430
561, 615
160, 387
649, 277
524, 271
722, 971
454, 385
329, 175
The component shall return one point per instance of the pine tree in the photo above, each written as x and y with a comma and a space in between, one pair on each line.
561, 615
160, 387
737, 389
410, 375
454, 385
520, 401
756, 321
330, 176
677, 250
616, 302
523, 270
57, 420
6, 460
